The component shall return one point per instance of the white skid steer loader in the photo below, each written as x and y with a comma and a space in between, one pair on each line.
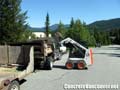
79, 56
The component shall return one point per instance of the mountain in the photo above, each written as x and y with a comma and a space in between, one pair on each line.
35, 29
52, 28
106, 25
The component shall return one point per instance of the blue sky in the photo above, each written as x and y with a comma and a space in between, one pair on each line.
85, 10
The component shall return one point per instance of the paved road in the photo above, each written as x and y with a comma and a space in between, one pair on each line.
106, 70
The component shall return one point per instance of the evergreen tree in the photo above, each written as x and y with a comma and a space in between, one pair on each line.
80, 33
12, 21
47, 25
72, 23
61, 29
91, 41
70, 32
101, 36
116, 34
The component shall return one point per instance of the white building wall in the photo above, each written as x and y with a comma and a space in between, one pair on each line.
39, 34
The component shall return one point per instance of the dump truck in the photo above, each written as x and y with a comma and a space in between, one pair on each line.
79, 56
16, 62
46, 52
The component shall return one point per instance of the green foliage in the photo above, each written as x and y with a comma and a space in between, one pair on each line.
101, 36
79, 32
61, 29
115, 34
107, 31
12, 21
72, 23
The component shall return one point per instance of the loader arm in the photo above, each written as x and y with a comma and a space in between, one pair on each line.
71, 41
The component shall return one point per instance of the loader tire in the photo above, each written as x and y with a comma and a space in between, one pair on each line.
81, 65
69, 65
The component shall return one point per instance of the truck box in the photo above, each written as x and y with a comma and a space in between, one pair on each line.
16, 62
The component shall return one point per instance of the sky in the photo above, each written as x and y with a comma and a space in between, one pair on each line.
63, 10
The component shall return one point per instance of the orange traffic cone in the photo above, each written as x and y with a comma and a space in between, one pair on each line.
91, 56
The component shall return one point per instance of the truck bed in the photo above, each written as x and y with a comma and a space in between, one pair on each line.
16, 68
9, 72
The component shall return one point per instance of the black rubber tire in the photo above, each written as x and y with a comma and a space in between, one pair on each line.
49, 63
14, 85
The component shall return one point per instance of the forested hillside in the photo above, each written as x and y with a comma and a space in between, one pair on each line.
106, 25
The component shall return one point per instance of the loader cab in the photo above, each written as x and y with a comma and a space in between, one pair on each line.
75, 51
